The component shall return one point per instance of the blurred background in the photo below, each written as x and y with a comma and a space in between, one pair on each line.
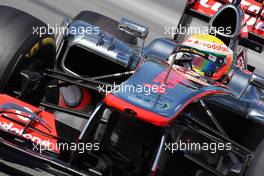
155, 14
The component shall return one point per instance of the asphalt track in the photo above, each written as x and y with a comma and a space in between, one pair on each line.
156, 14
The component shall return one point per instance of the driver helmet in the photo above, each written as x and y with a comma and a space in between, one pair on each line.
209, 56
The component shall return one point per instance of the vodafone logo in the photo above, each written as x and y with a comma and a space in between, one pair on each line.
10, 127
215, 46
208, 45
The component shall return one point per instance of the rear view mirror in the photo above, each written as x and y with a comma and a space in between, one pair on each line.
134, 29
257, 81
255, 115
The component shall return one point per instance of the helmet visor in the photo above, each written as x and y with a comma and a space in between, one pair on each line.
204, 63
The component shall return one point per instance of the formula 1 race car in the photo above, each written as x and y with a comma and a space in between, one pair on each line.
95, 102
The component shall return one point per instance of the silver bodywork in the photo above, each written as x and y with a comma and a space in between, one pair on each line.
99, 42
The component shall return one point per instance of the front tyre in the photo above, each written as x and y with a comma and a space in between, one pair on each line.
22, 49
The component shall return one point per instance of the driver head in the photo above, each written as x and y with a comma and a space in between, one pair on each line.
209, 55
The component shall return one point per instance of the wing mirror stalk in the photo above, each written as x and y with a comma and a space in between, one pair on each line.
255, 80
134, 29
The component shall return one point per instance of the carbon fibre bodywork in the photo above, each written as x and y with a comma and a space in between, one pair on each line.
160, 104
163, 106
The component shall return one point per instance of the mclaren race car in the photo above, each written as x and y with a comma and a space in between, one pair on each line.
97, 101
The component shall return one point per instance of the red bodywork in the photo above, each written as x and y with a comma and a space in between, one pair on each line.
173, 91
15, 123
148, 116
254, 12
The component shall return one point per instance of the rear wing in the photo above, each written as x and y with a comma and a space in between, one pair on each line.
253, 16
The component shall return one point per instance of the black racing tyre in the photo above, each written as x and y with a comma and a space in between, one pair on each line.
256, 164
22, 48
107, 24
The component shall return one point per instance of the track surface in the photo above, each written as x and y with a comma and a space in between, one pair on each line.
155, 14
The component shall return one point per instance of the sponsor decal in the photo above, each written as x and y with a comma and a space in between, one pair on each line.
11, 128
173, 79
194, 51
250, 21
212, 58
191, 75
213, 6
20, 120
259, 28
177, 75
251, 8
207, 45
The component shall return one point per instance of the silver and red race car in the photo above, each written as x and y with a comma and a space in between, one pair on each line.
95, 102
